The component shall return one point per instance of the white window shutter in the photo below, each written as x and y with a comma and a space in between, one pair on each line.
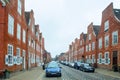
103, 60
98, 61
109, 61
6, 59
14, 60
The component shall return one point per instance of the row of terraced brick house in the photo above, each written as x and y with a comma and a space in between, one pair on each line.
100, 46
21, 42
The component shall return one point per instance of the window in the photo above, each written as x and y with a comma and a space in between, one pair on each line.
89, 47
89, 58
19, 7
24, 36
100, 58
29, 22
18, 31
93, 45
100, 43
107, 59
115, 37
10, 55
93, 58
10, 25
106, 25
89, 37
33, 29
106, 41
80, 42
18, 60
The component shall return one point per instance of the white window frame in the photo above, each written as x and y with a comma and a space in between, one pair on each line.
33, 28
19, 7
89, 47
106, 41
18, 31
10, 24
80, 42
24, 36
18, 60
10, 55
100, 58
93, 58
106, 25
100, 43
106, 58
93, 45
89, 37
114, 36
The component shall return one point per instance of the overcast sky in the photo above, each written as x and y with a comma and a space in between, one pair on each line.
61, 21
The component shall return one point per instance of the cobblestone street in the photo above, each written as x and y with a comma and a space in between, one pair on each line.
67, 74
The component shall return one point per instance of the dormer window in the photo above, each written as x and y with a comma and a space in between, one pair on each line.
19, 7
106, 25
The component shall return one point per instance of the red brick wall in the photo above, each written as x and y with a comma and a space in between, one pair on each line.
11, 8
2, 24
113, 26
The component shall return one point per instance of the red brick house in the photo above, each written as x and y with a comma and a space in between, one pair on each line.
82, 48
31, 38
37, 45
91, 44
76, 43
108, 38
72, 51
69, 53
13, 36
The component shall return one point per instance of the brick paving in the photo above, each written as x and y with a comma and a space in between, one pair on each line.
33, 74
108, 72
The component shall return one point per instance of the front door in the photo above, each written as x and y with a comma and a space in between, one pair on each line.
115, 62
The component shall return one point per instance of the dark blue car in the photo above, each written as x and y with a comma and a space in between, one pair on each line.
53, 69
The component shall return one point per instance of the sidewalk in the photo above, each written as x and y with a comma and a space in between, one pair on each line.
108, 72
33, 74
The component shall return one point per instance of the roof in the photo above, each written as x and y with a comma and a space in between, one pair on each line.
96, 29
27, 17
117, 13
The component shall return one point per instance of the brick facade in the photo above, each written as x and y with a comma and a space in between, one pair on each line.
20, 39
105, 52
91, 44
109, 16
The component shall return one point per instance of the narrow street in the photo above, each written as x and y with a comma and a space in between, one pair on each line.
67, 74
73, 74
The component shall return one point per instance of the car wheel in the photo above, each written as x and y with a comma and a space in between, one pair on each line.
60, 75
83, 70
47, 75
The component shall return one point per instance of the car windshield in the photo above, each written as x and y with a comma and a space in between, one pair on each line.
78, 63
52, 65
86, 65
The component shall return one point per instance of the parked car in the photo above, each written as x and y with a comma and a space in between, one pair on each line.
77, 65
86, 67
71, 64
53, 69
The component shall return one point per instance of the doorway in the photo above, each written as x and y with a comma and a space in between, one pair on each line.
115, 62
